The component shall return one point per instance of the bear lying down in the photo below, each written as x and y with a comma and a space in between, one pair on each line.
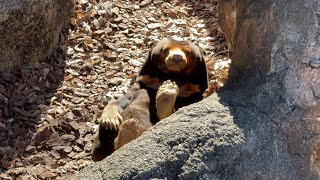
173, 75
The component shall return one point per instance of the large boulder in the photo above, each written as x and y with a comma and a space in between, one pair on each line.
275, 48
197, 141
276, 38
30, 29
264, 125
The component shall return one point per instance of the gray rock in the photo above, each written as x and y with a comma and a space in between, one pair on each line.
135, 63
187, 145
272, 38
30, 30
276, 102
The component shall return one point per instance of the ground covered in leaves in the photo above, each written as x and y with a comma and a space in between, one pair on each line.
48, 111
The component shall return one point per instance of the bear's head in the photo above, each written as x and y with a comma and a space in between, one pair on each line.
173, 56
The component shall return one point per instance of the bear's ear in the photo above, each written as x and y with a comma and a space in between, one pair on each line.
203, 52
146, 67
149, 67
152, 44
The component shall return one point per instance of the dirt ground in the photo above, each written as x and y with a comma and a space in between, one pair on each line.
49, 110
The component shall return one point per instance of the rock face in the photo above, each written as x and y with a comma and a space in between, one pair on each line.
189, 144
275, 50
264, 125
30, 29
276, 38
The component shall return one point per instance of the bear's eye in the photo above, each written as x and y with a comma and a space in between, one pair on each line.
165, 49
188, 51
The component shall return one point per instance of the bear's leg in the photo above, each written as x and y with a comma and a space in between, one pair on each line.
127, 133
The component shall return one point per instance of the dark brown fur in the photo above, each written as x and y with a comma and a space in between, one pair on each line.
185, 67
153, 73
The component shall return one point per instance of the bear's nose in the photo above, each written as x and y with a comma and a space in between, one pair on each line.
177, 58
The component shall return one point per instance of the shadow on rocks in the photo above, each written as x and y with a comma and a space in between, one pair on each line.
26, 93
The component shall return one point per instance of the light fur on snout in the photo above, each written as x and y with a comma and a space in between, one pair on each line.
174, 66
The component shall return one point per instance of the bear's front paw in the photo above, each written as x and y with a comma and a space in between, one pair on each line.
213, 87
110, 118
166, 99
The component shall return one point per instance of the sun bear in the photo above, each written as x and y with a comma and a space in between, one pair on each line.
174, 75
